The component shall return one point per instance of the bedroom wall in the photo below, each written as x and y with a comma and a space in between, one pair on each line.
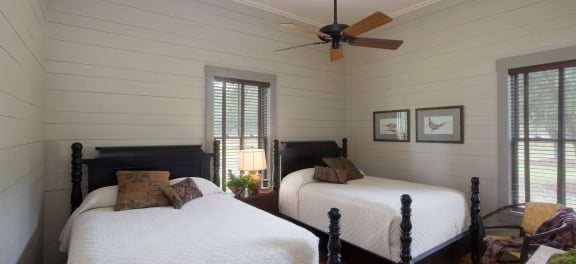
22, 27
448, 58
131, 72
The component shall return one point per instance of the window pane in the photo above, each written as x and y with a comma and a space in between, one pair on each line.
570, 130
218, 86
543, 172
543, 104
521, 191
237, 113
519, 109
232, 108
251, 110
542, 158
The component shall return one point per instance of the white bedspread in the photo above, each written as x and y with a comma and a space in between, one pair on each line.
215, 228
370, 209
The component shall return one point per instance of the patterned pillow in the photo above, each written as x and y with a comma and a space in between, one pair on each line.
325, 174
172, 196
187, 190
141, 189
344, 163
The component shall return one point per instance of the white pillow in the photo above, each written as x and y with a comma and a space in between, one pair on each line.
299, 177
205, 186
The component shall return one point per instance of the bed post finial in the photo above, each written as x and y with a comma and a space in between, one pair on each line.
334, 245
405, 230
76, 174
477, 240
345, 147
216, 163
276, 168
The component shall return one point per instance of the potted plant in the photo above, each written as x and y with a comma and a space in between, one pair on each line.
237, 184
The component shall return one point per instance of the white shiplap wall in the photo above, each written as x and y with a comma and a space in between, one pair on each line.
448, 58
131, 72
22, 31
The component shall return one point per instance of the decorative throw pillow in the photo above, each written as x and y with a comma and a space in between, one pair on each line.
172, 196
141, 189
344, 163
325, 174
187, 190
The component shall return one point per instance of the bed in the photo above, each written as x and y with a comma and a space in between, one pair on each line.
215, 228
377, 225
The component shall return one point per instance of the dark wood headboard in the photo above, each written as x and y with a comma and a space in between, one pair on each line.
297, 155
181, 161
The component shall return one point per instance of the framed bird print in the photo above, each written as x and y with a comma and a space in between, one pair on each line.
440, 124
392, 125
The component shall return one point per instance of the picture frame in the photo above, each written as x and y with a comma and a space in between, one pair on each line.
392, 125
440, 124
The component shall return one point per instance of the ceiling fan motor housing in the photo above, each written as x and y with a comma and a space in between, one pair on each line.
335, 33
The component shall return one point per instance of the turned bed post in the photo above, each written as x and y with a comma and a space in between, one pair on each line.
405, 230
76, 175
216, 162
475, 224
276, 169
345, 147
334, 245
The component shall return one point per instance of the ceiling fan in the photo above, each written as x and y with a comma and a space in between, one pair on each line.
336, 34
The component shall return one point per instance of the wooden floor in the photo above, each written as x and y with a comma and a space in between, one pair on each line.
465, 260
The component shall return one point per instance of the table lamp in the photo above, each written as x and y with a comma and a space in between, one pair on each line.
253, 160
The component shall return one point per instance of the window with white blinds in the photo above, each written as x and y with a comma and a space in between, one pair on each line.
241, 120
542, 112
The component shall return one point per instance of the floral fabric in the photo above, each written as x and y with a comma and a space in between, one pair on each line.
141, 189
496, 247
187, 190
344, 163
330, 175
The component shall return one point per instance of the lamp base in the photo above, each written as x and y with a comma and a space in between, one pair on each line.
254, 184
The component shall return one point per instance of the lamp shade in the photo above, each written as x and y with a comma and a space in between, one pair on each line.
252, 160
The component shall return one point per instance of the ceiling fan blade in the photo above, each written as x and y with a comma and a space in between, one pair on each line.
304, 29
371, 22
336, 54
376, 43
304, 45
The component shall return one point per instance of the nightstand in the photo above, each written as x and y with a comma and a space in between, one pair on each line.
267, 201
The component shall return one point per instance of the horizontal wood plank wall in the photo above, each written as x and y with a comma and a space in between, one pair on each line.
448, 58
22, 31
131, 72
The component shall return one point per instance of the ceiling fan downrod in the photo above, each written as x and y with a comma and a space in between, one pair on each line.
335, 12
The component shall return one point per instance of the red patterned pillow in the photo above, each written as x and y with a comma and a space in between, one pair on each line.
344, 163
330, 175
141, 189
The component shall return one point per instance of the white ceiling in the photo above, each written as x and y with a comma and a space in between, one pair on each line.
321, 12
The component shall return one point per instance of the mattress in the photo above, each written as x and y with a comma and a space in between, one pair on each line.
370, 209
215, 228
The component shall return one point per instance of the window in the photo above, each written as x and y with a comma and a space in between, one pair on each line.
542, 133
239, 116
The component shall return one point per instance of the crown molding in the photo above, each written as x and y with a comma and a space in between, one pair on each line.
279, 12
413, 8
